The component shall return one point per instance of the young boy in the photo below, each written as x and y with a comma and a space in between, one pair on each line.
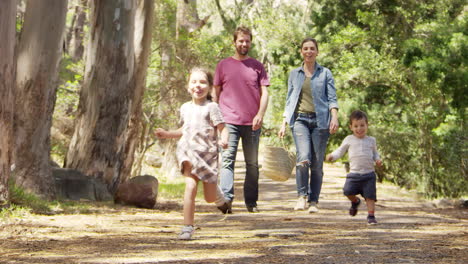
362, 152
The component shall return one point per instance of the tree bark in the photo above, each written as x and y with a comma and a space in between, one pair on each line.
143, 28
7, 88
97, 147
187, 17
39, 53
75, 34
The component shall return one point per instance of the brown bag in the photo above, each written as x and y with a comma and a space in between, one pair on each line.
278, 163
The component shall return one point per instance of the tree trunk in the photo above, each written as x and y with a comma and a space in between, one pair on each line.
39, 53
97, 147
75, 34
143, 28
7, 88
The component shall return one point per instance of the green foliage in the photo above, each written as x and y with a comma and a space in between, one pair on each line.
210, 48
450, 159
400, 62
403, 62
66, 104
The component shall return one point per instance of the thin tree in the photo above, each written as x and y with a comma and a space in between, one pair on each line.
39, 53
97, 147
187, 17
135, 132
240, 11
75, 34
7, 87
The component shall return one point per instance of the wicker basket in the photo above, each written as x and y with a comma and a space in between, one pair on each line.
278, 163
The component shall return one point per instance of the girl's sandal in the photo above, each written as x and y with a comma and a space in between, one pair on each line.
186, 233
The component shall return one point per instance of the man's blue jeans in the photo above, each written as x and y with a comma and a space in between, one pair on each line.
250, 141
311, 143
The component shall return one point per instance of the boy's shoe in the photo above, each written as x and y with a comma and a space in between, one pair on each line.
301, 203
354, 207
226, 208
313, 207
186, 233
253, 209
371, 220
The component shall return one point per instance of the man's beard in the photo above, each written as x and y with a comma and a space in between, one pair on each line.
243, 51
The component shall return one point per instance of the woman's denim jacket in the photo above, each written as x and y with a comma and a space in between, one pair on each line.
323, 91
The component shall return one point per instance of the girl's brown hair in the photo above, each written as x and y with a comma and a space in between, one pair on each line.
209, 78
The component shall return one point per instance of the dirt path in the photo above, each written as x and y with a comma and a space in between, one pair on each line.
409, 231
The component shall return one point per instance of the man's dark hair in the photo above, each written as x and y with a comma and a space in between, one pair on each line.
244, 30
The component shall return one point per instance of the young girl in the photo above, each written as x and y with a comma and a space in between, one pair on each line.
197, 149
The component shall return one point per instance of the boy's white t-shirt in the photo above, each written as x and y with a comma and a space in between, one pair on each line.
362, 153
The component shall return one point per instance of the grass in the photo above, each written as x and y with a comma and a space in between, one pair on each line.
23, 203
13, 211
171, 190
176, 190
22, 199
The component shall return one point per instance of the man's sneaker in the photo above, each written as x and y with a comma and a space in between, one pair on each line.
354, 207
313, 207
301, 203
371, 220
187, 232
226, 208
252, 209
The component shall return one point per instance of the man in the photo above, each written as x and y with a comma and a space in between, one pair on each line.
240, 88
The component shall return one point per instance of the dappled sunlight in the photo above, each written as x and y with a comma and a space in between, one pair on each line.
181, 255
277, 234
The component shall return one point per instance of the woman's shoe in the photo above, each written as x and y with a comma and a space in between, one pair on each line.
301, 203
313, 207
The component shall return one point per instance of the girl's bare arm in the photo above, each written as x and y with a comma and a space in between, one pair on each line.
162, 133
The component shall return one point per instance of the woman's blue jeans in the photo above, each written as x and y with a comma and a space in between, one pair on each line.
250, 143
311, 143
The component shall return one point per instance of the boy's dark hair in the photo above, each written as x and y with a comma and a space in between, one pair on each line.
244, 30
357, 115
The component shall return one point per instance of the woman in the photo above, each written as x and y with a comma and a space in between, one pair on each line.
312, 113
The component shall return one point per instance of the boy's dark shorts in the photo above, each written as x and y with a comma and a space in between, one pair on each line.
363, 184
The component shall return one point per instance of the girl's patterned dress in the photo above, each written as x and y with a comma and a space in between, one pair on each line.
198, 144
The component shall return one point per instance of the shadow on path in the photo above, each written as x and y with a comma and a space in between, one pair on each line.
410, 230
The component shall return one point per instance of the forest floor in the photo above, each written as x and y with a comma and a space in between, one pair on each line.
410, 230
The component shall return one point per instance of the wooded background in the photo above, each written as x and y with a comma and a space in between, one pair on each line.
84, 83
